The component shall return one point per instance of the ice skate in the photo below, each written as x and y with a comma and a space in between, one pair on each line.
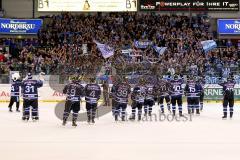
198, 112
93, 121
64, 122
74, 124
132, 118
116, 118
231, 115
25, 118
173, 112
150, 114
139, 117
180, 114
162, 110
35, 119
224, 117
145, 114
89, 120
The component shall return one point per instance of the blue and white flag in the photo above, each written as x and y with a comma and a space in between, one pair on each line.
208, 45
160, 50
143, 44
106, 50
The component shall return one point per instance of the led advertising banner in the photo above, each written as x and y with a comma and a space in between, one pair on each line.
87, 5
20, 26
229, 26
189, 5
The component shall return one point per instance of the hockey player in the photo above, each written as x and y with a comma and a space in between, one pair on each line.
149, 99
74, 91
15, 89
30, 97
138, 97
201, 82
122, 91
176, 94
92, 95
112, 95
228, 96
162, 89
192, 91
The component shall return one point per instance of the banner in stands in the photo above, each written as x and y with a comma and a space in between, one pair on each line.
208, 45
160, 50
143, 44
20, 26
106, 50
229, 26
87, 5
188, 5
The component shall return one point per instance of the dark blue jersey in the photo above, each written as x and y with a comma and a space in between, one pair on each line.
228, 88
30, 88
139, 93
192, 89
162, 88
15, 88
150, 92
122, 92
177, 87
74, 91
92, 93
201, 82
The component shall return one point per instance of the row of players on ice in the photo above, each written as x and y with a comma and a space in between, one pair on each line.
144, 95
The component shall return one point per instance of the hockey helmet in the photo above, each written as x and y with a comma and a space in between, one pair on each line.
15, 76
175, 77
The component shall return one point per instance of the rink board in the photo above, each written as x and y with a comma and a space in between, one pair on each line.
53, 93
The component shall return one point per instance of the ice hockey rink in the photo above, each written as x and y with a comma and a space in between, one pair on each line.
205, 137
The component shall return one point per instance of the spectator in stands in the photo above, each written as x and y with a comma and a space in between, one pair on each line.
2, 57
67, 43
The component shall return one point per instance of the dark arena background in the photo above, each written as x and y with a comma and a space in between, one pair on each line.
119, 79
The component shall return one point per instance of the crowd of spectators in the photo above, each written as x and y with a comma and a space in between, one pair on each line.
67, 42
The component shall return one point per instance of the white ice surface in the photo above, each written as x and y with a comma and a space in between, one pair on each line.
205, 137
